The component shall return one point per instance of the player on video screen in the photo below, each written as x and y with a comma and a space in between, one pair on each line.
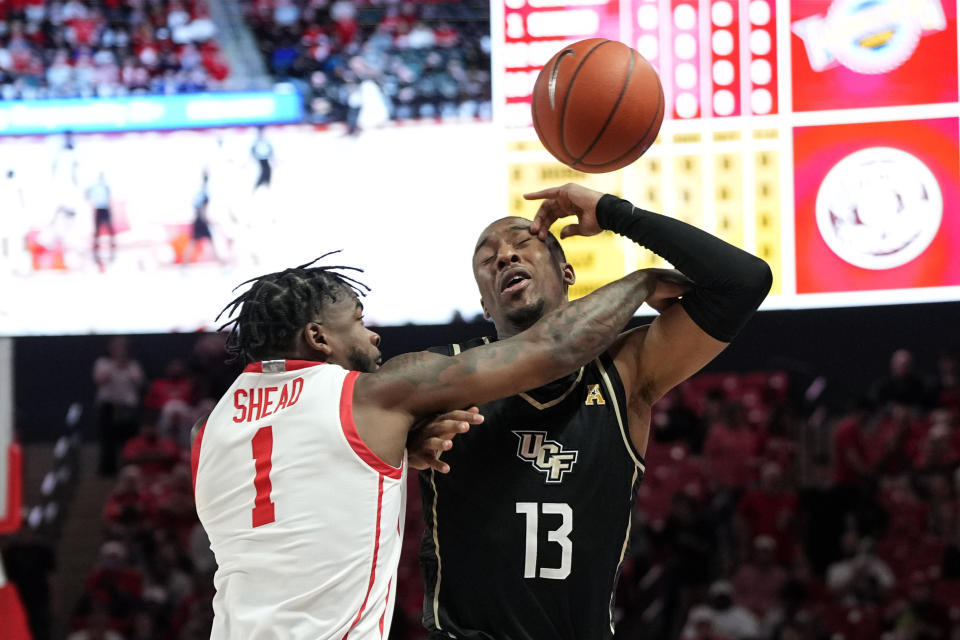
200, 229
66, 233
13, 254
526, 534
99, 196
65, 183
262, 152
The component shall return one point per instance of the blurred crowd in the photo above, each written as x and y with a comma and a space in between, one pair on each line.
103, 48
154, 576
763, 515
366, 62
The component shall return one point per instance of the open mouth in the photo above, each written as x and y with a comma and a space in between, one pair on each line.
514, 280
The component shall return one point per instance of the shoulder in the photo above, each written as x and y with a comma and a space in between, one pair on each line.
389, 385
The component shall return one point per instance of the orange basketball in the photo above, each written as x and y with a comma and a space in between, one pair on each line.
597, 105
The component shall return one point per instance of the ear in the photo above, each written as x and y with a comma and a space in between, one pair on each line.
569, 277
315, 340
486, 314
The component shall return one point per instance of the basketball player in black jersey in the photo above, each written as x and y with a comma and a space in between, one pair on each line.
526, 533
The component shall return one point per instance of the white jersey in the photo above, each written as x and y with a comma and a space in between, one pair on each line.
305, 521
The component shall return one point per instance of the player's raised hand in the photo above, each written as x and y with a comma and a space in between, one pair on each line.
671, 284
434, 436
569, 200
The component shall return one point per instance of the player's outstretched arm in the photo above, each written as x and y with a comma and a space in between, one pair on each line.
729, 285
419, 384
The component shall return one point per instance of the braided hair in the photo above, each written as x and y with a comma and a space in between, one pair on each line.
277, 306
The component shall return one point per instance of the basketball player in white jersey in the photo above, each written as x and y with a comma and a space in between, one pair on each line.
299, 471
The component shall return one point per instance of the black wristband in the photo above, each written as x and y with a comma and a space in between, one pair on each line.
730, 283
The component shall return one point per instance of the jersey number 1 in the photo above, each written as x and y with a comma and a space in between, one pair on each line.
561, 536
262, 453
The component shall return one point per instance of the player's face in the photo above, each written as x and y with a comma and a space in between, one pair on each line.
518, 277
352, 345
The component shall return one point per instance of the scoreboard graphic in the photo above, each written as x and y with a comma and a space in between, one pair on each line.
821, 135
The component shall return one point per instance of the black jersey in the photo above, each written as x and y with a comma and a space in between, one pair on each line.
525, 535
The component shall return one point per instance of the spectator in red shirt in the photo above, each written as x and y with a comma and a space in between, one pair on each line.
770, 510
175, 506
896, 441
127, 506
850, 466
730, 448
940, 449
114, 586
943, 516
175, 385
759, 581
152, 453
946, 384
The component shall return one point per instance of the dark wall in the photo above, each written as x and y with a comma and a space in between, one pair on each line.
850, 346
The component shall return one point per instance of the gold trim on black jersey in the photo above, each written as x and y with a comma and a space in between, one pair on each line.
436, 548
616, 409
552, 403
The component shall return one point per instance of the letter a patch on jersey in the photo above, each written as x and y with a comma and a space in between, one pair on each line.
593, 395
546, 456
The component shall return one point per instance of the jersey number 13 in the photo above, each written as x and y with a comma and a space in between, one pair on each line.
561, 536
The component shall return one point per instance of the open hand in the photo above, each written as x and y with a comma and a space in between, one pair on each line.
569, 200
433, 436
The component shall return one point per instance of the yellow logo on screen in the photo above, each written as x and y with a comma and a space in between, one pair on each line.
868, 36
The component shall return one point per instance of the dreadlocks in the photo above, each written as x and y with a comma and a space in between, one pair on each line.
278, 305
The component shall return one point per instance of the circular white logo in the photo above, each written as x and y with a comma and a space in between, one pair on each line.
872, 36
879, 208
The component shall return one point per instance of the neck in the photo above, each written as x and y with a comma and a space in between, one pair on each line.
508, 328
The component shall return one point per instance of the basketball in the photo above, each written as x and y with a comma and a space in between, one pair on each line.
597, 105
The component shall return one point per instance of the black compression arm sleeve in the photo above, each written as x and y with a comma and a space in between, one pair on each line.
730, 283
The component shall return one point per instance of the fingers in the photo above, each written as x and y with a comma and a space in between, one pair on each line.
570, 230
437, 437
471, 415
547, 214
439, 445
436, 464
421, 463
550, 192
428, 456
445, 429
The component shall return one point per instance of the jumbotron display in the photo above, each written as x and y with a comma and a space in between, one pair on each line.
822, 136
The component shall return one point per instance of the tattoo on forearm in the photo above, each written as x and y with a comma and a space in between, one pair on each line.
561, 341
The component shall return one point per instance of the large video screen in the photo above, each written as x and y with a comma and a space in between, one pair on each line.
149, 232
823, 136
820, 135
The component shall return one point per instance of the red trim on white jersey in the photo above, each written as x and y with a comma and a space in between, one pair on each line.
350, 431
376, 551
386, 606
290, 365
195, 456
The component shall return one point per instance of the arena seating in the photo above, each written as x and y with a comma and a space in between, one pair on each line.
399, 60
794, 554
88, 48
